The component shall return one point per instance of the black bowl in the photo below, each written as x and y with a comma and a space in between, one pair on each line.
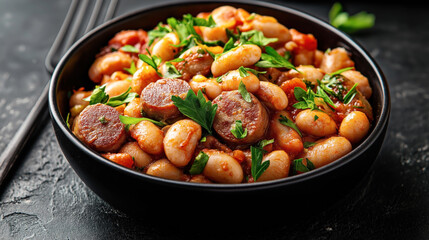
127, 190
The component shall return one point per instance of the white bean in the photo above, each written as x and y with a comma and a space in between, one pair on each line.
108, 64
149, 137
181, 140
231, 80
285, 137
164, 169
316, 123
222, 168
354, 126
328, 150
141, 159
244, 55
279, 166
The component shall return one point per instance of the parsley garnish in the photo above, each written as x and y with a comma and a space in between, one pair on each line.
244, 93
238, 130
132, 68
261, 144
197, 108
199, 163
133, 120
100, 96
272, 59
102, 119
299, 167
287, 122
158, 32
350, 94
350, 24
129, 48
171, 71
244, 71
333, 84
256, 37
309, 144
152, 61
258, 167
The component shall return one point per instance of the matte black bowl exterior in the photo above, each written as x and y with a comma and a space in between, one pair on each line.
127, 189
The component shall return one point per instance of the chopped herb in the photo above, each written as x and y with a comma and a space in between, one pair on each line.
199, 163
305, 99
125, 97
219, 79
272, 59
256, 37
338, 72
309, 144
132, 68
102, 119
171, 71
251, 17
129, 48
287, 122
159, 32
133, 120
238, 130
244, 93
350, 94
258, 167
100, 96
316, 117
68, 120
350, 24
152, 61
261, 144
244, 71
299, 167
228, 45
197, 108
203, 139
321, 93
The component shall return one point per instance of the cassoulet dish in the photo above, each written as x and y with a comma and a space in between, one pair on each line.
226, 96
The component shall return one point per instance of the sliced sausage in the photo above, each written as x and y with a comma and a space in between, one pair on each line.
99, 127
156, 98
196, 61
232, 107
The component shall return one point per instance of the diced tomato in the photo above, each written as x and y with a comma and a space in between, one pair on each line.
307, 41
123, 159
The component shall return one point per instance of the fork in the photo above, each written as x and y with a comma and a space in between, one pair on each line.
65, 38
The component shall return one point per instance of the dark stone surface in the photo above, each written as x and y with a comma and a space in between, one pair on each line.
43, 198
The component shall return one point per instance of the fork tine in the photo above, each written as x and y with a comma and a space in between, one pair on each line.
110, 10
76, 25
94, 15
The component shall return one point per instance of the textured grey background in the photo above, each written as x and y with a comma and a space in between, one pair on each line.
44, 199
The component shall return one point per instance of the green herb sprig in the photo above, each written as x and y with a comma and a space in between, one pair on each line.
199, 163
287, 122
99, 95
238, 131
350, 24
272, 59
197, 108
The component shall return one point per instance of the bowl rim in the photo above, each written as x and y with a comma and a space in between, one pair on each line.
291, 180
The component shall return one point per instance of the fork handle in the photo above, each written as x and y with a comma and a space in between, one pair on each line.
31, 122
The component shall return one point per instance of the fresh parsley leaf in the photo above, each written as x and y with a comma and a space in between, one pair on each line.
338, 72
299, 167
98, 96
159, 32
350, 94
129, 48
132, 120
197, 108
199, 163
325, 97
261, 144
256, 37
244, 93
273, 59
350, 24
201, 21
258, 167
316, 117
243, 72
171, 71
152, 61
287, 122
305, 99
102, 119
125, 97
238, 130
68, 120
132, 68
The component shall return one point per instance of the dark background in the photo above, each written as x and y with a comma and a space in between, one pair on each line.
43, 198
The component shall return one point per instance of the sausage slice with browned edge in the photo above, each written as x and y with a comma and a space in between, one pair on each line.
156, 100
232, 107
99, 127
